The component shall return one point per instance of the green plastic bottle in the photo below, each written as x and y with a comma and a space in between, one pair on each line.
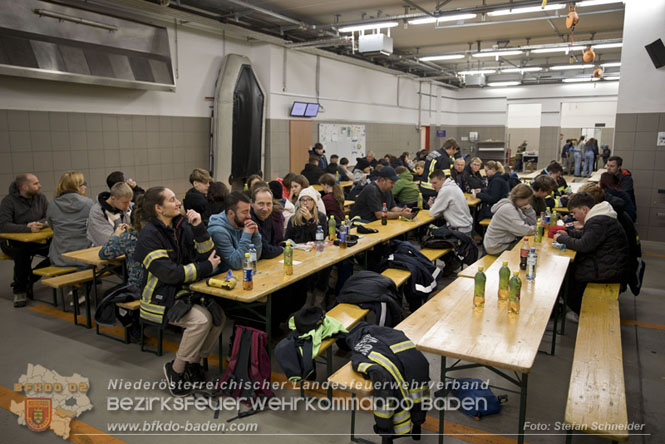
479, 288
331, 228
515, 289
420, 201
288, 259
539, 231
504, 278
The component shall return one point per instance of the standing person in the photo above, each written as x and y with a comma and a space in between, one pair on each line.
262, 214
601, 245
119, 176
497, 188
472, 180
450, 203
609, 183
233, 231
175, 251
513, 219
317, 150
111, 210
589, 157
68, 215
578, 152
605, 154
217, 193
565, 154
195, 198
312, 171
615, 166
369, 204
441, 159
23, 210
333, 197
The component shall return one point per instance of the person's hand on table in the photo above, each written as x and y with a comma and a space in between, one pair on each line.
406, 212
35, 226
214, 259
557, 235
193, 217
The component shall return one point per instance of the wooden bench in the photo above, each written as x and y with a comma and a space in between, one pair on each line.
4, 257
129, 306
74, 280
399, 277
53, 271
596, 394
485, 223
434, 253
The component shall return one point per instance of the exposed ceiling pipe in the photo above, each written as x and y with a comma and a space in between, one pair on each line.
269, 13
322, 43
417, 6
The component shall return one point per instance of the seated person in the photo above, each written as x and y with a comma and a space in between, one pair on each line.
250, 182
195, 198
171, 266
371, 159
217, 193
23, 210
497, 188
361, 171
298, 183
369, 204
312, 171
450, 203
615, 166
610, 184
344, 169
555, 171
68, 215
233, 231
111, 210
333, 197
405, 191
513, 219
418, 170
542, 187
278, 201
472, 180
119, 176
335, 169
600, 243
406, 161
318, 151
457, 173
262, 215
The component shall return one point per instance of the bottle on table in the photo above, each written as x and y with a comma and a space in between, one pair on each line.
548, 218
504, 278
539, 231
420, 201
331, 228
479, 288
342, 235
555, 218
288, 259
515, 289
384, 214
524, 252
531, 263
337, 177
252, 257
348, 226
320, 239
247, 273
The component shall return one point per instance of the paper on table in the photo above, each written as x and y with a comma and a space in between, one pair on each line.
294, 262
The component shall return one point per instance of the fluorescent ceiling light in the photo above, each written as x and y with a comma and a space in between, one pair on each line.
612, 77
497, 54
513, 83
596, 3
525, 69
442, 57
529, 10
580, 79
448, 18
561, 49
611, 65
369, 26
481, 71
608, 46
566, 67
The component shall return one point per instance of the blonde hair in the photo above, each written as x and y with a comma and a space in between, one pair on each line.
477, 159
298, 220
493, 165
120, 190
70, 182
200, 175
595, 190
521, 191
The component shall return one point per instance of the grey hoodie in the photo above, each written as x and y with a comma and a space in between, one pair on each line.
68, 216
508, 224
231, 243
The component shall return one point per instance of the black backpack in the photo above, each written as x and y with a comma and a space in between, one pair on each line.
463, 246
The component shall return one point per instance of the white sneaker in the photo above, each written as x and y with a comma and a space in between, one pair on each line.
573, 317
81, 299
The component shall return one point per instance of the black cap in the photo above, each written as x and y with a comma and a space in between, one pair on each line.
389, 173
308, 318
361, 163
276, 188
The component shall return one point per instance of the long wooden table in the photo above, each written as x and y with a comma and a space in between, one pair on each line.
472, 201
491, 337
39, 237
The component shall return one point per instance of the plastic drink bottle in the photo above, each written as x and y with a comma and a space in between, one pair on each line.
420, 201
320, 239
539, 231
504, 278
515, 289
531, 262
336, 176
479, 288
288, 259
384, 215
247, 273
331, 228
252, 257
524, 252
342, 236
348, 226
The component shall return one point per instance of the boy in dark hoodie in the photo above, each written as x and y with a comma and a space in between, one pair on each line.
312, 171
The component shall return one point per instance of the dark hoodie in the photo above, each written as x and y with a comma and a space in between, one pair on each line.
497, 189
312, 173
17, 211
268, 236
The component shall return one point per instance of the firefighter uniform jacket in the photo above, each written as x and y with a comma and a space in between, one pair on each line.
172, 257
399, 373
436, 160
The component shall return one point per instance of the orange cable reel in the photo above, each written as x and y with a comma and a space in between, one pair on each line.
589, 56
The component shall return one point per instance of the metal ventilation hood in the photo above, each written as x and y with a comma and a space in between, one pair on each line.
46, 40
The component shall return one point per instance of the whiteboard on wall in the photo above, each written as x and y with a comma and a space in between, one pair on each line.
345, 140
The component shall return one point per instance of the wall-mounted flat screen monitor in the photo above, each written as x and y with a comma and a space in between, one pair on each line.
298, 109
312, 110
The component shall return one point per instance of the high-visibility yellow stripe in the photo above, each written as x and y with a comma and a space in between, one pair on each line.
363, 366
149, 288
382, 413
402, 429
400, 417
156, 254
190, 272
390, 367
204, 247
402, 346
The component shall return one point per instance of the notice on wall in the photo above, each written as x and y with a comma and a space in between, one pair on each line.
661, 139
344, 140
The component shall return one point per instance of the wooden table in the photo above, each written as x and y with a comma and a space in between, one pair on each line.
39, 237
471, 201
527, 177
343, 184
347, 205
492, 338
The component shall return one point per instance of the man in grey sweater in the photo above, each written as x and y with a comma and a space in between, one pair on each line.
111, 210
450, 203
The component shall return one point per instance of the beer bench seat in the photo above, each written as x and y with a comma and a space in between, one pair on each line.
596, 394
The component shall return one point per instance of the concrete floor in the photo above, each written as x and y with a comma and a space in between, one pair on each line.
34, 335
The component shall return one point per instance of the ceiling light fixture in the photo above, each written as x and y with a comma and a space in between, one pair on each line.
588, 3
567, 67
369, 26
580, 79
560, 49
441, 57
608, 46
610, 65
497, 53
481, 71
447, 18
521, 70
513, 83
528, 10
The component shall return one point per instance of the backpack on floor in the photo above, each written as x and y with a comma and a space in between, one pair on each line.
472, 388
